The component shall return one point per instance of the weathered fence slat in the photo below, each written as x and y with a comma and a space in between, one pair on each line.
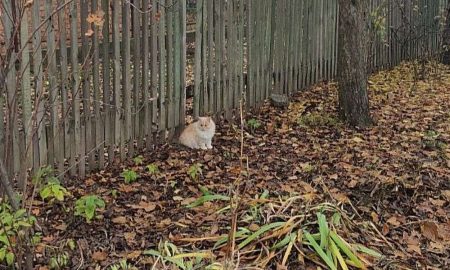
76, 127
147, 121
170, 95
26, 101
125, 140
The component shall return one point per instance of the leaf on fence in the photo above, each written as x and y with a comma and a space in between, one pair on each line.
96, 18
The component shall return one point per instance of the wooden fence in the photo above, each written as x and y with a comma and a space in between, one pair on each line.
111, 77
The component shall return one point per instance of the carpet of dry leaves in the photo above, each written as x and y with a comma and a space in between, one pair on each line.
392, 179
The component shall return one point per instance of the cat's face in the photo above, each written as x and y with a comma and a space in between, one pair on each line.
204, 123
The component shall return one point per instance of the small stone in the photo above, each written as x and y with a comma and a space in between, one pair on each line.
279, 100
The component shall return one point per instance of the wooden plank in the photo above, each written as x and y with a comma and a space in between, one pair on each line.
126, 81
205, 81
147, 121
296, 44
182, 104
290, 45
54, 89
241, 51
276, 58
22, 174
85, 82
177, 62
250, 32
12, 143
231, 59
162, 68
40, 159
137, 87
335, 54
220, 51
209, 108
170, 95
97, 97
217, 57
284, 47
75, 148
273, 29
154, 69
116, 76
258, 51
227, 72
26, 152
198, 57
106, 83
63, 62
50, 150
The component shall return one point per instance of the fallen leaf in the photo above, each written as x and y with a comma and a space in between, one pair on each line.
446, 194
375, 217
134, 255
429, 230
393, 220
89, 32
99, 256
119, 220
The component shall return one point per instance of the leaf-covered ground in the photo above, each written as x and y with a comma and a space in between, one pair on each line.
391, 181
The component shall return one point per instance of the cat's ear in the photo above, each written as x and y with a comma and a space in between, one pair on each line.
209, 119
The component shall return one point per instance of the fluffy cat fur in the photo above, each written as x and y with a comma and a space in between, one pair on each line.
198, 135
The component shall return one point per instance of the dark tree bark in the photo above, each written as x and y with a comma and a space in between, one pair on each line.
446, 37
352, 63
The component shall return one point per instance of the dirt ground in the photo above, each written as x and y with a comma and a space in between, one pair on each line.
392, 182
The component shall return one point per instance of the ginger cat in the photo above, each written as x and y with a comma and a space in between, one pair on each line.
198, 135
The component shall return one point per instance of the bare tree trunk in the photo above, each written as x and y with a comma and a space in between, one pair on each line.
352, 62
446, 38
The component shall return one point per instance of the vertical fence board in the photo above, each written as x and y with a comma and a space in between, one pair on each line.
170, 95
182, 104
116, 79
52, 82
178, 54
76, 127
98, 145
154, 67
26, 101
147, 121
137, 87
199, 80
126, 81
162, 69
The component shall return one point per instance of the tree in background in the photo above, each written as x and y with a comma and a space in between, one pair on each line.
352, 62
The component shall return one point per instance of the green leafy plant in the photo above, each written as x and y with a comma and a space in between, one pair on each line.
334, 250
253, 124
129, 176
431, 140
207, 197
170, 254
152, 168
138, 160
194, 171
53, 190
59, 261
122, 265
14, 226
87, 206
49, 186
255, 208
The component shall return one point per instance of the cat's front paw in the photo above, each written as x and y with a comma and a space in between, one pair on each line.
203, 147
209, 146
